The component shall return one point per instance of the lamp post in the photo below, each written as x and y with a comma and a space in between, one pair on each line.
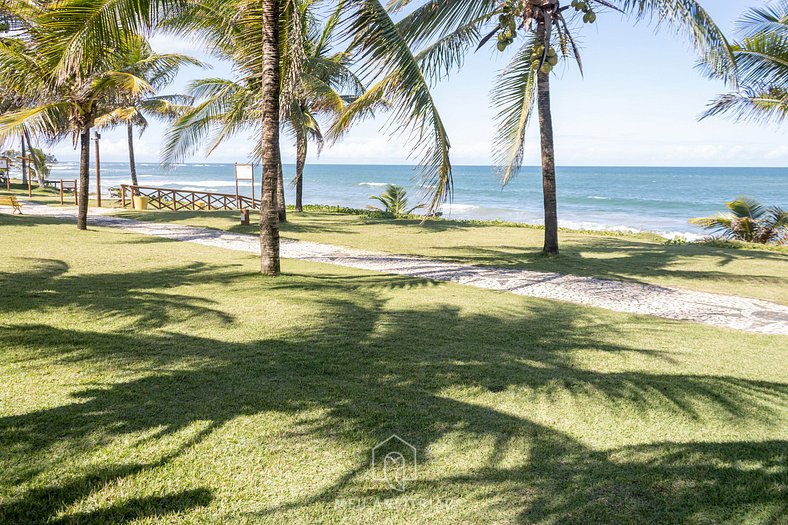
97, 138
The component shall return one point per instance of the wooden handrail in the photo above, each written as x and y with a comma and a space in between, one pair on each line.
175, 199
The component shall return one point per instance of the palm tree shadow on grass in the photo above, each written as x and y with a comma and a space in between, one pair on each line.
617, 259
374, 370
42, 504
46, 285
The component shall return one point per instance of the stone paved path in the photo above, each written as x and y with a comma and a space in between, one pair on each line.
719, 310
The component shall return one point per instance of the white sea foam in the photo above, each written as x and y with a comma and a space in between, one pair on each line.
373, 184
201, 189
687, 236
213, 183
451, 208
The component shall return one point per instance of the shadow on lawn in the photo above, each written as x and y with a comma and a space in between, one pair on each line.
618, 259
45, 285
374, 370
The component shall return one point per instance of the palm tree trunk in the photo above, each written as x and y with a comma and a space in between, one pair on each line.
39, 169
301, 150
548, 165
84, 178
269, 219
24, 162
281, 207
132, 164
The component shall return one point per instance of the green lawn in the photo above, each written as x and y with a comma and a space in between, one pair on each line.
762, 274
150, 381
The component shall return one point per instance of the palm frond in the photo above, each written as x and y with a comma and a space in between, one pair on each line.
379, 44
690, 19
746, 207
49, 121
751, 106
514, 94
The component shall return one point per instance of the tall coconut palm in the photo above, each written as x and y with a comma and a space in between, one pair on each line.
446, 30
761, 66
158, 70
60, 103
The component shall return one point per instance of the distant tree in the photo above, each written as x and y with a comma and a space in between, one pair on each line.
63, 82
132, 110
41, 162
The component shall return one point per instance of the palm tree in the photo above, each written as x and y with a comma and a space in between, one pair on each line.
762, 68
158, 70
395, 202
446, 30
91, 30
325, 86
61, 99
749, 221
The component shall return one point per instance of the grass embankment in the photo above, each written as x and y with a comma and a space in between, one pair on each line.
152, 382
762, 274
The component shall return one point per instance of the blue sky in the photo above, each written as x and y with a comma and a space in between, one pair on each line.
636, 106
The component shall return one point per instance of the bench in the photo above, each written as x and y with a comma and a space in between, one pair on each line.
10, 200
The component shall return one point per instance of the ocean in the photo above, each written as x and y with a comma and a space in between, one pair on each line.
659, 200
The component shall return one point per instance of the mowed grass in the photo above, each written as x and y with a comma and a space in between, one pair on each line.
149, 381
762, 274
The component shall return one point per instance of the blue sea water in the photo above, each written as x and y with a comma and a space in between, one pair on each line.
646, 199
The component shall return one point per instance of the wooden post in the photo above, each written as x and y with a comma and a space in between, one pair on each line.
245, 217
98, 170
123, 195
61, 192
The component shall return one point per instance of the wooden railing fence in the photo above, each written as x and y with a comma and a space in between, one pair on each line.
172, 199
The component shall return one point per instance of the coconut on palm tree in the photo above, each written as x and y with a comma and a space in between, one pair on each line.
131, 111
761, 67
446, 30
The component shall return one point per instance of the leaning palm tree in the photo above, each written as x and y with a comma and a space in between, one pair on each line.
748, 220
762, 68
446, 30
60, 100
158, 70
